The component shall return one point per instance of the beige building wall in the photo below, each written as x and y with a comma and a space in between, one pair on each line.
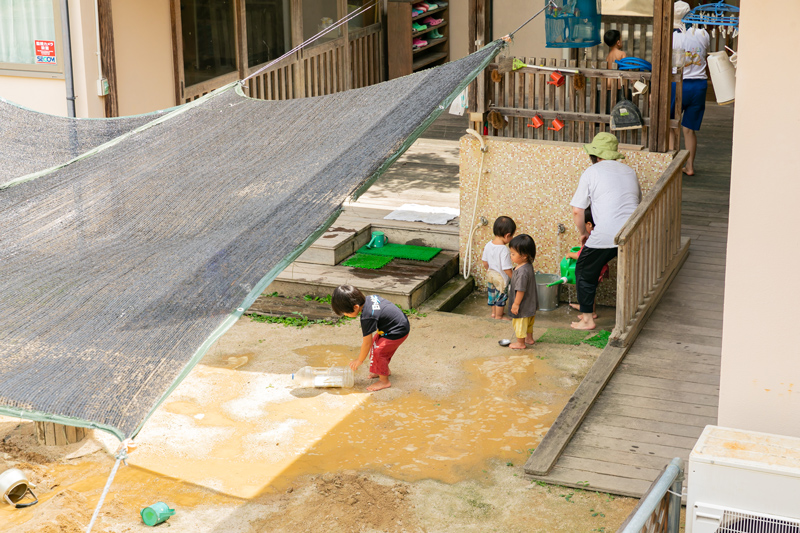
143, 45
459, 29
43, 95
508, 15
760, 377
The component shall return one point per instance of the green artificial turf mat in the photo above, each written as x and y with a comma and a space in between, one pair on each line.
366, 261
600, 340
572, 337
402, 251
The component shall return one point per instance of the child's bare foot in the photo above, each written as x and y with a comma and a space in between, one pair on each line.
517, 345
373, 376
580, 317
506, 318
529, 341
382, 384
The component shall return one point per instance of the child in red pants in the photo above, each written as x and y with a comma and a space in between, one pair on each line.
383, 324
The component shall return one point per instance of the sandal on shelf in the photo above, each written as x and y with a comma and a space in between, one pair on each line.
418, 27
430, 21
418, 43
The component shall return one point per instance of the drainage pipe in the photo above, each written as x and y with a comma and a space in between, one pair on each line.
67, 45
483, 221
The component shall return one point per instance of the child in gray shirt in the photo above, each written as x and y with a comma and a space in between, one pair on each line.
523, 301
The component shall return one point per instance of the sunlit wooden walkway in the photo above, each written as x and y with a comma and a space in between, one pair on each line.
666, 389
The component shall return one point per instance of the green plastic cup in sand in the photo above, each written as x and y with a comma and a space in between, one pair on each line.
156, 513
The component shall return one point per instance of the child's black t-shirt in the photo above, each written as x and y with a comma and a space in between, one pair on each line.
379, 314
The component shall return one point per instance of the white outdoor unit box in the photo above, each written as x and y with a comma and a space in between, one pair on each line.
743, 482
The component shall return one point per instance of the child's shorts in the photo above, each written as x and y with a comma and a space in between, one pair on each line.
497, 298
523, 326
382, 351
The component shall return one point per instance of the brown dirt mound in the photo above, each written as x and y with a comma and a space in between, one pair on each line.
346, 502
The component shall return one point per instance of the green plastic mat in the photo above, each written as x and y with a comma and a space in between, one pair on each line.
572, 337
372, 262
600, 340
402, 251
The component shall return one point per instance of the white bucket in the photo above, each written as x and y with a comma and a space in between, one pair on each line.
723, 76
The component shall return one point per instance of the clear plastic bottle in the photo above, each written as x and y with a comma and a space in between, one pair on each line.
334, 376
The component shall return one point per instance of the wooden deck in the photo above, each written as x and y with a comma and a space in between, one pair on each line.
666, 389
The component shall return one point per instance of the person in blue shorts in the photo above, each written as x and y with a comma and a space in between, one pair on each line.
694, 42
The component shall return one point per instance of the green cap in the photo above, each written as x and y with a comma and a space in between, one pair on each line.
604, 145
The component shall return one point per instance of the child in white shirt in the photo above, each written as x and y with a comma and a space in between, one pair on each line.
497, 261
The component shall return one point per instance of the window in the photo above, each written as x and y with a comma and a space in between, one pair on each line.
209, 39
269, 32
29, 42
367, 18
318, 15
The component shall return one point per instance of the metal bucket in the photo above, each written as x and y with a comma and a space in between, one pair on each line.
548, 296
14, 486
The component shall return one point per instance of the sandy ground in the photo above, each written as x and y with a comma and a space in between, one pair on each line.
238, 448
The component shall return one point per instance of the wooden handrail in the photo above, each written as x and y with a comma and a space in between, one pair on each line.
650, 253
638, 215
593, 72
566, 115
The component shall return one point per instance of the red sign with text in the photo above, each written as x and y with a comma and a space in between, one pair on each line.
45, 51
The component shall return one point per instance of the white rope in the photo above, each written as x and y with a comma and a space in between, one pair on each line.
339, 23
122, 456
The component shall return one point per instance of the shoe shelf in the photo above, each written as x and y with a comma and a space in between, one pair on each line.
428, 13
430, 29
403, 58
427, 59
431, 43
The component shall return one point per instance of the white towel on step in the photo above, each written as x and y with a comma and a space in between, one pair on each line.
423, 213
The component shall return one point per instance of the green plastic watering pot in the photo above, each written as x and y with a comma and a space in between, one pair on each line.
567, 269
378, 240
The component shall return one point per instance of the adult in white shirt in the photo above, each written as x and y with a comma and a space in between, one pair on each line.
612, 189
694, 42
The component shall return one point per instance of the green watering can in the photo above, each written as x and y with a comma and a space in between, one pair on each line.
567, 269
378, 240
156, 513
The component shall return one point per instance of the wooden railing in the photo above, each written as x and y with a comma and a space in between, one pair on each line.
651, 251
324, 69
366, 57
334, 66
277, 83
585, 110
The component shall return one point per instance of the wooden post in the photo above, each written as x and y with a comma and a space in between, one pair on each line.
660, 86
177, 49
296, 17
52, 434
346, 79
108, 57
478, 89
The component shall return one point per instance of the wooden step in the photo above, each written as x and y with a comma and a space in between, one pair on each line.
444, 236
403, 282
338, 243
354, 227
